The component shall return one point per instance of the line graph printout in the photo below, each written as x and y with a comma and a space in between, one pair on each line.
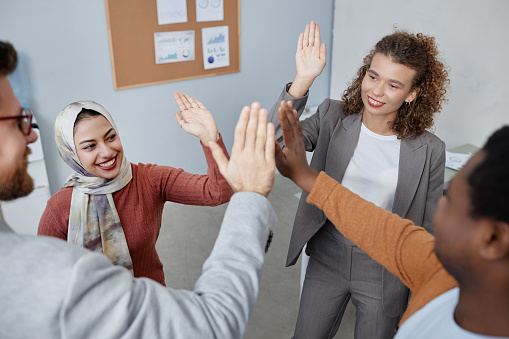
216, 50
174, 46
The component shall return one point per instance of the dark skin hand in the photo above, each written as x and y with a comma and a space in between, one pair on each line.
291, 161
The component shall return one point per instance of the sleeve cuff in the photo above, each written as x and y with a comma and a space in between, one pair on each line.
208, 151
287, 88
324, 186
219, 142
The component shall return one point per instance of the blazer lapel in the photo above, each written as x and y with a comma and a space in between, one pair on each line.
342, 147
411, 164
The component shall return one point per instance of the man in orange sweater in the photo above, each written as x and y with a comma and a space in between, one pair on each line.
460, 277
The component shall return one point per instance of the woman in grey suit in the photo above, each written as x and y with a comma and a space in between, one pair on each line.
375, 142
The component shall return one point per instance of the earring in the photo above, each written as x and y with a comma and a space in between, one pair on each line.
407, 107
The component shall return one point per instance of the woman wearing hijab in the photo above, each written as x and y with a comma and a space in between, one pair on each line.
112, 206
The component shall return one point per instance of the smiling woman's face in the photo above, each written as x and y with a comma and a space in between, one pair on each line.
98, 147
386, 86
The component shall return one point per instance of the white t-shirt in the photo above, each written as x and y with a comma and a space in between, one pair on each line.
373, 170
436, 320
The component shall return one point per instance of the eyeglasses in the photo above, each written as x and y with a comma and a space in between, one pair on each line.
24, 120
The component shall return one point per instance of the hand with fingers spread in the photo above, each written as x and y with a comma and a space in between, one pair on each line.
310, 60
251, 166
291, 161
195, 119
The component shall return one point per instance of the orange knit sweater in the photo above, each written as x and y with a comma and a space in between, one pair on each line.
404, 249
140, 207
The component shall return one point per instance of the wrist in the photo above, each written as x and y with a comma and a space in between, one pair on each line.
209, 137
263, 193
300, 86
306, 179
262, 190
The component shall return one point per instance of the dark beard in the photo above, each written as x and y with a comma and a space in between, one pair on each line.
16, 183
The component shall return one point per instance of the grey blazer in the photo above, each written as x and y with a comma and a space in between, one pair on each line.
333, 137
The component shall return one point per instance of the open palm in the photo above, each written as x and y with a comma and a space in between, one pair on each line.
310, 58
195, 118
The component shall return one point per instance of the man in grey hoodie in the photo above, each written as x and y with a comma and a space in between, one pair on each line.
49, 289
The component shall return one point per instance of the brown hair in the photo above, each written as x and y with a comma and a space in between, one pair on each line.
8, 58
418, 52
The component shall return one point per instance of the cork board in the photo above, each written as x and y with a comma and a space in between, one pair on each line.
131, 28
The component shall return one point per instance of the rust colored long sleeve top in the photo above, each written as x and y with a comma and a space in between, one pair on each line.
140, 207
404, 249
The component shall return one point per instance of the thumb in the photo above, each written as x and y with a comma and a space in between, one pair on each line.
180, 119
219, 157
279, 155
323, 51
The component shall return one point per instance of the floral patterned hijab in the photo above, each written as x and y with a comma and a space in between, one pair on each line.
93, 219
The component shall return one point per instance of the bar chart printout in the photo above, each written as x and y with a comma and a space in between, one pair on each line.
174, 46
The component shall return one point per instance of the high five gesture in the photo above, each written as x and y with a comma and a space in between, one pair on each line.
310, 60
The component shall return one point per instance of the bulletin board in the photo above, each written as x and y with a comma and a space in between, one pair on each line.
135, 51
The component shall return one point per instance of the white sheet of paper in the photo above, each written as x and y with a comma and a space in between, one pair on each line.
456, 161
209, 10
171, 11
216, 50
174, 46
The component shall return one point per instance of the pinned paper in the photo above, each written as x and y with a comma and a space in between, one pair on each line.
171, 11
216, 50
174, 46
209, 10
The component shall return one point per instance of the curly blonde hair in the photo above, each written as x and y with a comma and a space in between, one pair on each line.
418, 52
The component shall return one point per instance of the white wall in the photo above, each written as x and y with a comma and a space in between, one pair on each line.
472, 37
64, 52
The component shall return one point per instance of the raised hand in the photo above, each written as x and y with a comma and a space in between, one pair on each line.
310, 60
195, 119
291, 161
251, 166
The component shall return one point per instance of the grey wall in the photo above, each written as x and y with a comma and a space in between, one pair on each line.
472, 37
64, 52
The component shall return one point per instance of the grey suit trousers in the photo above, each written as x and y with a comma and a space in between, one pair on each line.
337, 272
